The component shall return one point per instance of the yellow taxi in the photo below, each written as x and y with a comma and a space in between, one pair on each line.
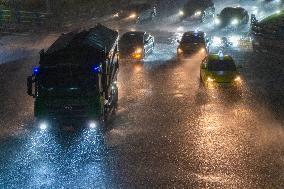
219, 68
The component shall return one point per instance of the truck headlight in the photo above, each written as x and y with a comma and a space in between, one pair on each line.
138, 51
43, 126
235, 22
210, 80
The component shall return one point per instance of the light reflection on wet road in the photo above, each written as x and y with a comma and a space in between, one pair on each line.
169, 132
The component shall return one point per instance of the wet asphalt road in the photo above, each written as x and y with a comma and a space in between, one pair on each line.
169, 131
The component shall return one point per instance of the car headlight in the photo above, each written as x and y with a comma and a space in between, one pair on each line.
197, 13
138, 51
217, 21
181, 12
133, 15
209, 79
235, 22
202, 50
116, 15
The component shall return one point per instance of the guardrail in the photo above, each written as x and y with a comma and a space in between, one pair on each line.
22, 19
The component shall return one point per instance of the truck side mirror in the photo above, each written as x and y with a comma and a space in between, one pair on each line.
30, 82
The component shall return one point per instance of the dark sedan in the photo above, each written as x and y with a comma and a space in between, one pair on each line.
232, 17
136, 45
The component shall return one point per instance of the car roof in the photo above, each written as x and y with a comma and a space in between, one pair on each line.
216, 57
194, 34
136, 33
234, 9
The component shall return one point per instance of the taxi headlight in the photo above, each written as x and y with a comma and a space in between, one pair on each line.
209, 79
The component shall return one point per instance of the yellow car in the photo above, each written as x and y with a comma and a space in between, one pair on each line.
219, 68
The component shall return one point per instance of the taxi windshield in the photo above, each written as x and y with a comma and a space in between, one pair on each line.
67, 77
192, 39
222, 65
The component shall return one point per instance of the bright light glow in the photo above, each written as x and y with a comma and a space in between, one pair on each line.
116, 15
43, 126
181, 13
198, 13
138, 51
235, 22
216, 41
96, 68
278, 12
209, 79
36, 70
238, 79
235, 40
179, 50
93, 125
202, 50
133, 15
217, 21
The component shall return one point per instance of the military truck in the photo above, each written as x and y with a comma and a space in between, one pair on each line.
76, 78
268, 34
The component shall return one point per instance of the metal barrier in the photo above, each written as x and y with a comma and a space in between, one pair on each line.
13, 18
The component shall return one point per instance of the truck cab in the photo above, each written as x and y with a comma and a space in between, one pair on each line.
76, 77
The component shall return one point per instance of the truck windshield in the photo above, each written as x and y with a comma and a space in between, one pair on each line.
68, 77
221, 65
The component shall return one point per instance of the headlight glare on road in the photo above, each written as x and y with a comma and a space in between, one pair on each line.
217, 21
235, 21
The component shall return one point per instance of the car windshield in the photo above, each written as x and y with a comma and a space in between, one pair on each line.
231, 12
133, 39
192, 39
222, 65
67, 77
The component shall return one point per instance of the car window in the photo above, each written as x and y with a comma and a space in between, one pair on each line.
221, 65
